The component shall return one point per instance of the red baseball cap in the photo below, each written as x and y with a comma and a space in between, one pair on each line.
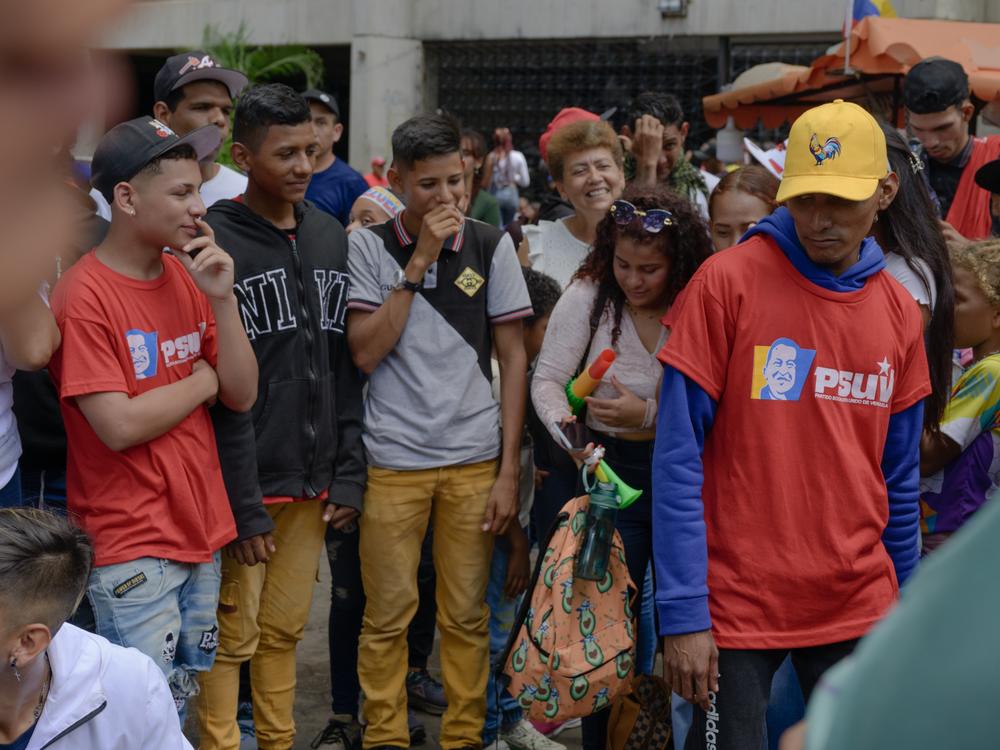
566, 116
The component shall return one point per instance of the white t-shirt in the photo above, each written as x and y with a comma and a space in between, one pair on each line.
553, 250
103, 209
510, 169
228, 183
10, 441
920, 285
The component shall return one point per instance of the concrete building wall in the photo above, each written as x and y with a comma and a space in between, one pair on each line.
387, 85
388, 79
166, 24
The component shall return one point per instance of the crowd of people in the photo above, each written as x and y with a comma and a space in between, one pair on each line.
228, 369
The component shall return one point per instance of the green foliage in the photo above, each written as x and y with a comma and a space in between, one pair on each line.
294, 64
263, 64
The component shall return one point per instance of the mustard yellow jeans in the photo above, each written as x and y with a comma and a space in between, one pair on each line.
397, 508
263, 611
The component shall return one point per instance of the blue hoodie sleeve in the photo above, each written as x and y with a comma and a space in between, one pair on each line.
680, 550
901, 469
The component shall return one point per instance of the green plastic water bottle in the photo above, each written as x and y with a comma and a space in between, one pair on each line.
595, 550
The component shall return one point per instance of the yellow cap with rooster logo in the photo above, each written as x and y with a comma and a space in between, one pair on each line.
835, 149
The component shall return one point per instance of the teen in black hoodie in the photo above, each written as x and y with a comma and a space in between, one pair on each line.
305, 430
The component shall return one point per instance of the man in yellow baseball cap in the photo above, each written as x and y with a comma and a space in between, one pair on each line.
788, 528
836, 178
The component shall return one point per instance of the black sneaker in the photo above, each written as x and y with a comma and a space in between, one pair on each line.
425, 693
341, 732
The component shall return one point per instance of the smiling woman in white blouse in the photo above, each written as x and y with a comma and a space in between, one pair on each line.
585, 160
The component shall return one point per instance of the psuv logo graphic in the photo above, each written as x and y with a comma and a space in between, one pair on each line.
780, 370
866, 388
142, 347
183, 348
829, 150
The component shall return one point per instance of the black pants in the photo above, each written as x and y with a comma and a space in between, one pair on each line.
347, 609
737, 719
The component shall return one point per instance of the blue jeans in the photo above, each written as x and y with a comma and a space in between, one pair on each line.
10, 493
645, 638
44, 489
509, 201
166, 610
502, 711
786, 706
681, 716
557, 489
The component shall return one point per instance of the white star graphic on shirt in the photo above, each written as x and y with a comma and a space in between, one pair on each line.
883, 366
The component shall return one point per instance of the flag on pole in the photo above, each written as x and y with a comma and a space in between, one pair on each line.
857, 10
864, 8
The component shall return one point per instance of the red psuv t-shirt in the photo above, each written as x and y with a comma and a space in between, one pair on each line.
164, 498
795, 501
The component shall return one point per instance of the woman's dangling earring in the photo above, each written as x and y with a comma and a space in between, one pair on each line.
17, 673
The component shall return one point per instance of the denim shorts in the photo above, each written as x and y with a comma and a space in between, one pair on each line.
166, 610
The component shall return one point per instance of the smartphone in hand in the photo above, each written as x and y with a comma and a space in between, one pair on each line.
573, 436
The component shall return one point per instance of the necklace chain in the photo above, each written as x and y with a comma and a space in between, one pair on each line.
45, 689
642, 314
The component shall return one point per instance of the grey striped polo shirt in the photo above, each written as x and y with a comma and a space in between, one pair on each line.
429, 402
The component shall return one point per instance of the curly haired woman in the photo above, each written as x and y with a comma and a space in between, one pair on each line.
647, 248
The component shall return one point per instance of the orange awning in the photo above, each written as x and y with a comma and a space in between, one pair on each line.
882, 50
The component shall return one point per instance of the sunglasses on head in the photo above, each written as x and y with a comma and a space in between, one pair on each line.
653, 220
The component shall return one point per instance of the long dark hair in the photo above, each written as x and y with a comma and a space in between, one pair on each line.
909, 227
478, 143
686, 243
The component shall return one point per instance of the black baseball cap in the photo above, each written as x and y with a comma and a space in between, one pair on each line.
327, 100
933, 85
988, 176
127, 148
189, 67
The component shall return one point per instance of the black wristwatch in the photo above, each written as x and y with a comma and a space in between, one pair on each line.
405, 284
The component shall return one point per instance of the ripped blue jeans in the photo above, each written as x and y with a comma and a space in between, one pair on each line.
166, 610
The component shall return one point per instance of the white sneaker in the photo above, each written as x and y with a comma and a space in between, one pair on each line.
523, 736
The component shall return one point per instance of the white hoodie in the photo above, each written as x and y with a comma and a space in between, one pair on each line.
105, 696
